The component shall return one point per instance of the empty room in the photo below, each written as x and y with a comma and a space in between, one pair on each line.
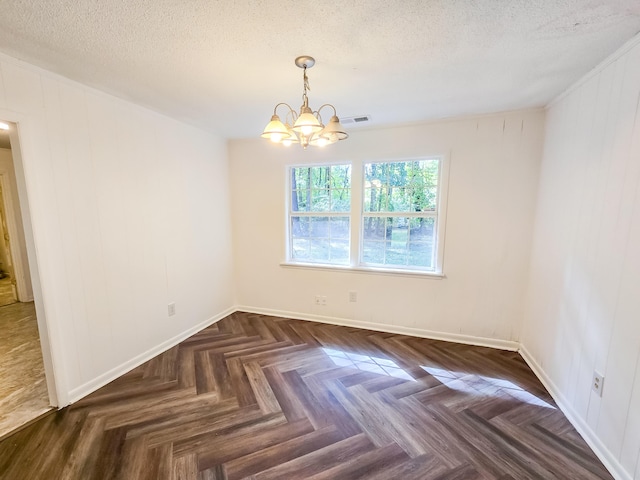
320, 240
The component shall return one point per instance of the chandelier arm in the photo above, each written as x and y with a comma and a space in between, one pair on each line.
291, 110
327, 105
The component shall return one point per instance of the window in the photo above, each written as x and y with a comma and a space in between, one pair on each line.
319, 214
399, 216
392, 219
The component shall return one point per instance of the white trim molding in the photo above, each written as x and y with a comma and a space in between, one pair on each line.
381, 327
604, 454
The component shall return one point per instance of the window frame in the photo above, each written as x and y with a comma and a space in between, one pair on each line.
356, 219
328, 214
438, 247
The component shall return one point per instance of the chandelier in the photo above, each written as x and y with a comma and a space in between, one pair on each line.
306, 127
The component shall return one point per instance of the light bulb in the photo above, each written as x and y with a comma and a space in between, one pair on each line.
276, 137
321, 142
286, 142
307, 130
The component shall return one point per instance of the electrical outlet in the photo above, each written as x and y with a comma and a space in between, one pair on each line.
321, 300
353, 296
598, 383
171, 309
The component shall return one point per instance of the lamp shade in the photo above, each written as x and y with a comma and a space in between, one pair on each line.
306, 123
334, 130
276, 131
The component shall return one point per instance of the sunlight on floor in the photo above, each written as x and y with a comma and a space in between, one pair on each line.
367, 363
483, 385
463, 382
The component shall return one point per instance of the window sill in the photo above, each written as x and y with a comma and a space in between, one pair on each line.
367, 270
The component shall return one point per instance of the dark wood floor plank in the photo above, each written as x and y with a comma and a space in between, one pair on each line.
265, 397
266, 458
418, 468
319, 461
223, 450
366, 464
256, 397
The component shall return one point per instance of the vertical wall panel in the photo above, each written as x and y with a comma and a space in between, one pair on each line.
585, 267
3, 96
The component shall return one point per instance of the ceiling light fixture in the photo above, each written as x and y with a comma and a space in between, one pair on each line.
306, 127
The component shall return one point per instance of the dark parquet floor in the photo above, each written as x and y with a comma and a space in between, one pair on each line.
257, 398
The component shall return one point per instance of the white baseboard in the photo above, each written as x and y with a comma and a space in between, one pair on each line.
380, 327
98, 382
604, 454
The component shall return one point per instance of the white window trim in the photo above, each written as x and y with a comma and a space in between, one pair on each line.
357, 214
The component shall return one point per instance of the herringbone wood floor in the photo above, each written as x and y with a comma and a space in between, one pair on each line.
257, 397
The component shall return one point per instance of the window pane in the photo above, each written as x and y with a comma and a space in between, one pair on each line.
320, 239
340, 200
424, 199
373, 228
321, 189
319, 227
341, 176
375, 200
374, 175
422, 229
300, 178
399, 242
339, 251
340, 228
373, 252
421, 255
399, 199
396, 253
421, 244
401, 186
299, 227
319, 250
300, 248
319, 200
429, 170
300, 200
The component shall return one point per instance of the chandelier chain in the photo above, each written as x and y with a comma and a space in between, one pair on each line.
305, 85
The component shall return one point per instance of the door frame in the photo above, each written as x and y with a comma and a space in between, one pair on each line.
21, 137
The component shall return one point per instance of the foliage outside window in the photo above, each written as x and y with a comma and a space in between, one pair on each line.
319, 213
400, 213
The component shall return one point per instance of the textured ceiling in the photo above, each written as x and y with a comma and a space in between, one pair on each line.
223, 65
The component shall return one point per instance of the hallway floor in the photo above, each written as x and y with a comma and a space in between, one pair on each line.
23, 390
7, 293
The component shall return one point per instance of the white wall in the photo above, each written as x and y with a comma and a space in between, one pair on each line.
130, 211
584, 298
493, 180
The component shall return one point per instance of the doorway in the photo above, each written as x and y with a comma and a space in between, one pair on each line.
24, 393
8, 292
